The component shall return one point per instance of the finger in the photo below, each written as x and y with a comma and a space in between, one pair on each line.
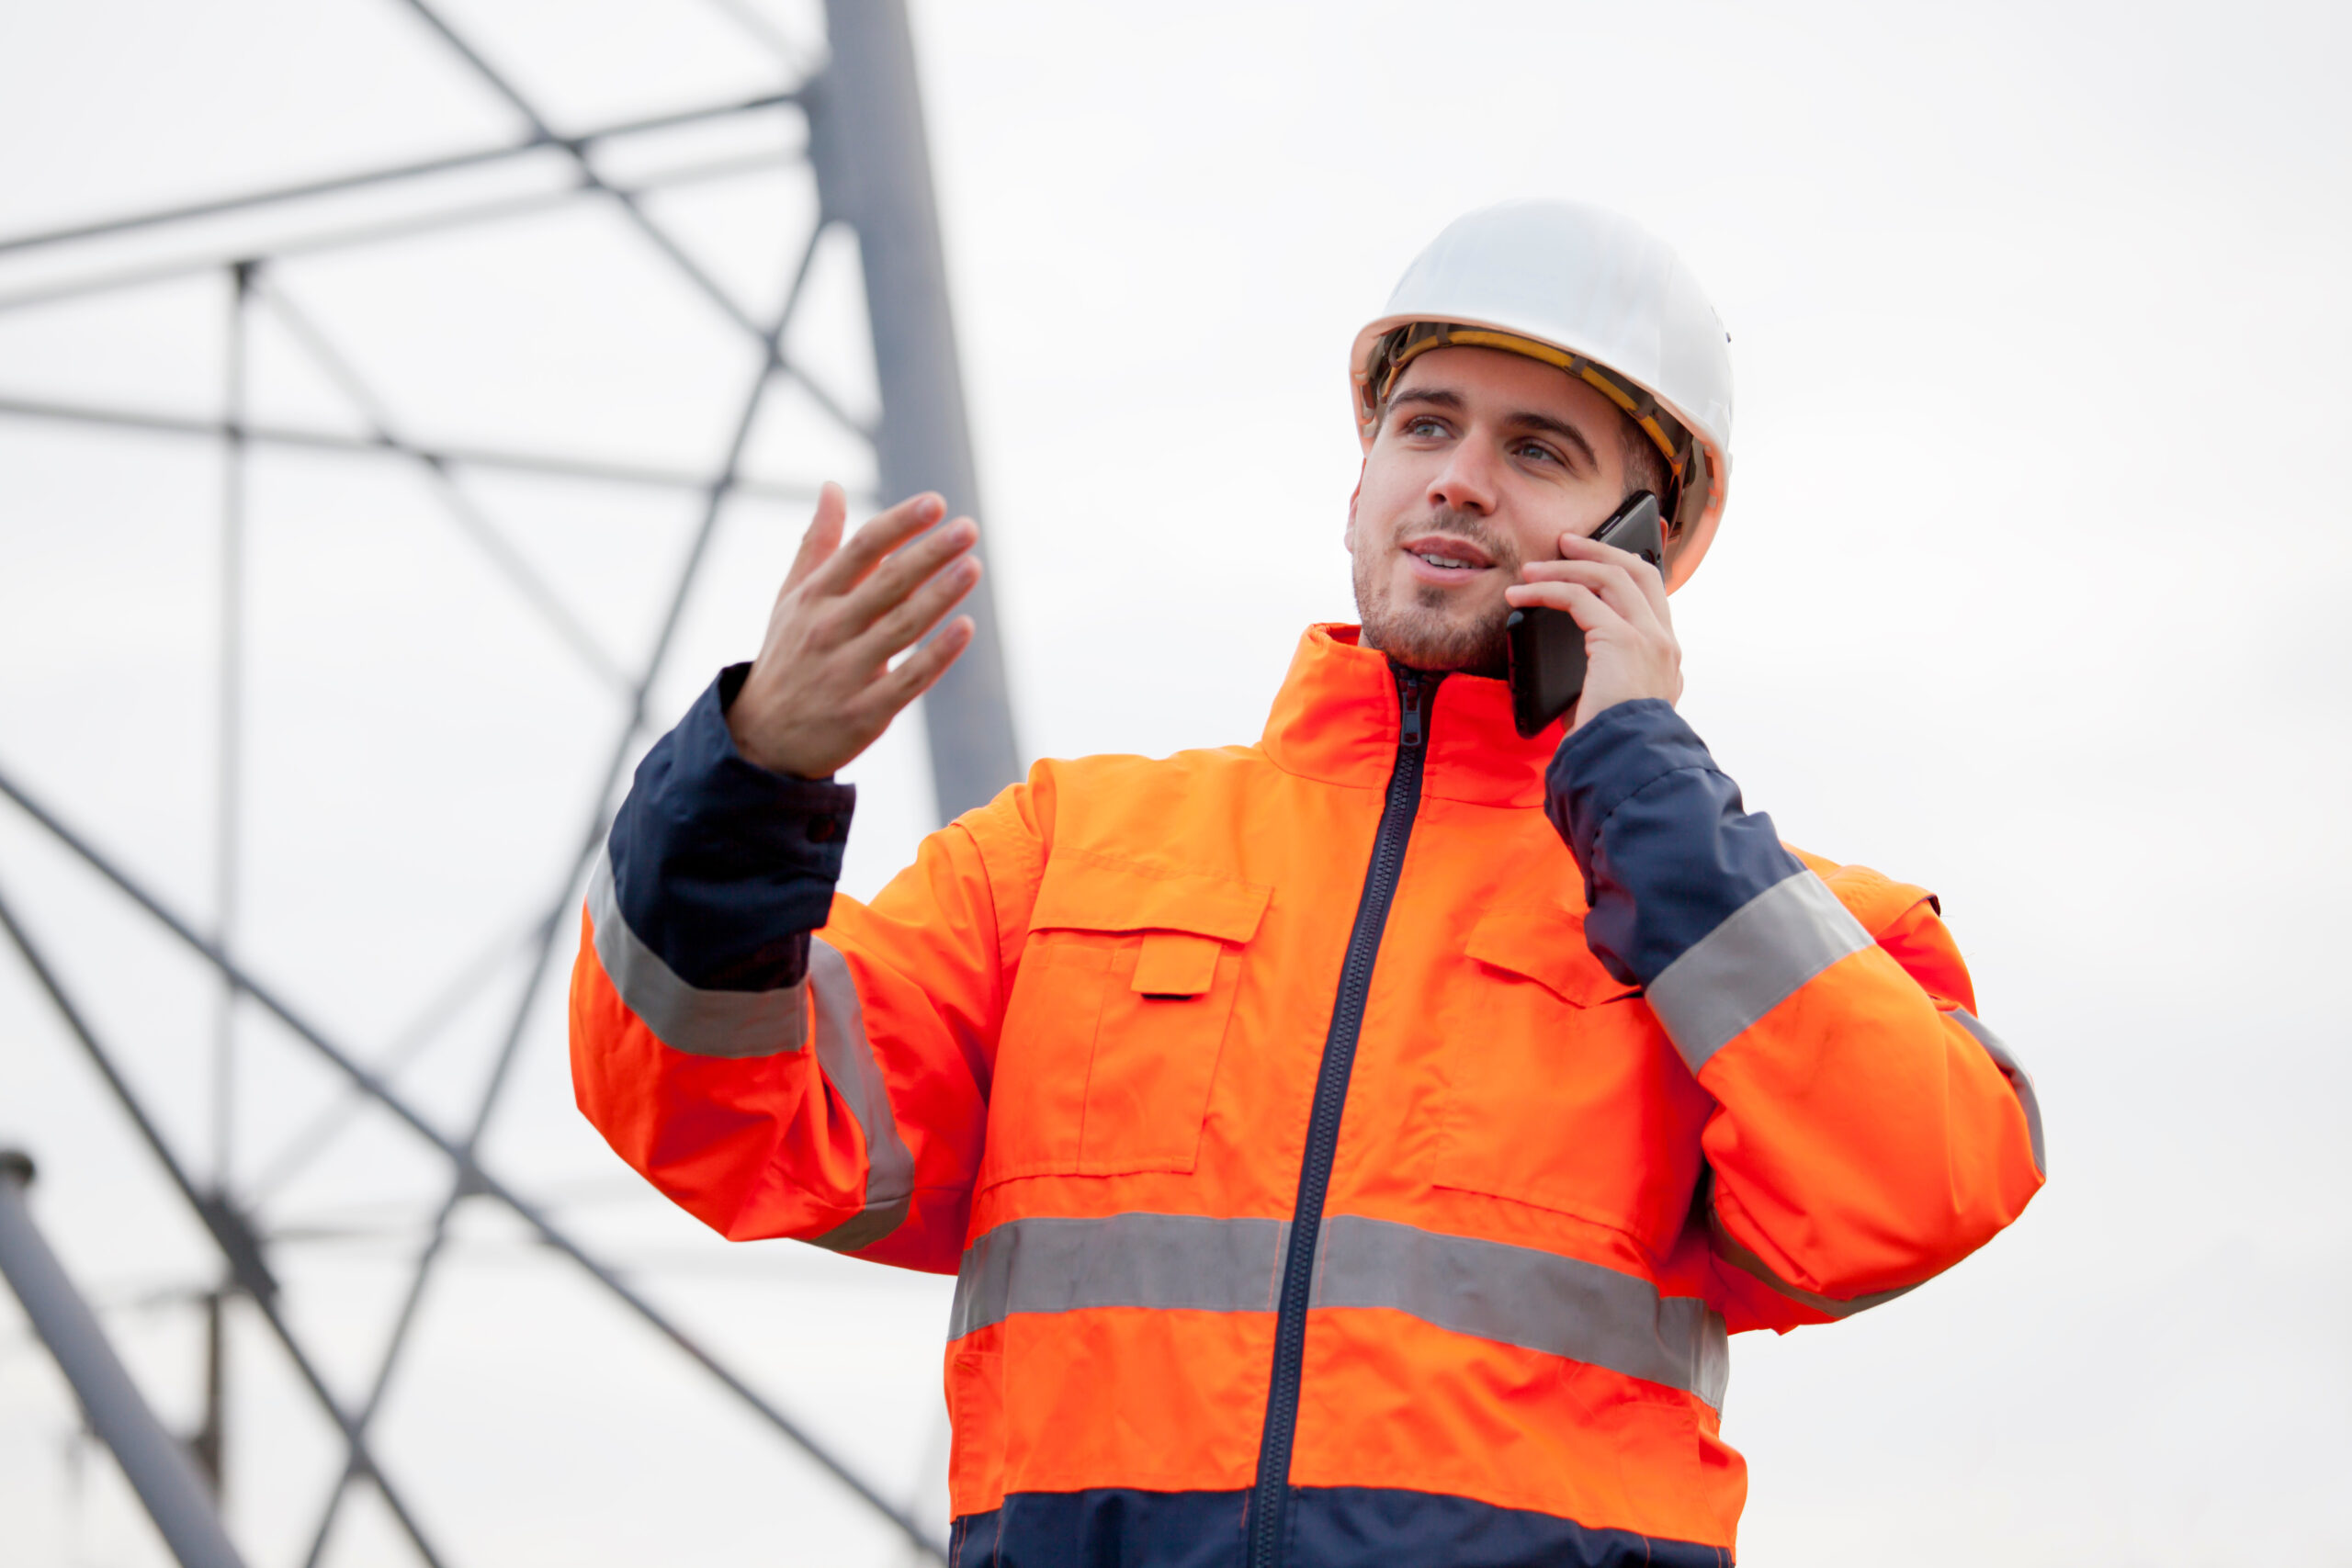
1649, 579
1619, 582
1618, 586
907, 569
1584, 607
823, 537
926, 664
883, 533
918, 612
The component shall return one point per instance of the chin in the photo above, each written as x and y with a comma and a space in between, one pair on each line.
1420, 636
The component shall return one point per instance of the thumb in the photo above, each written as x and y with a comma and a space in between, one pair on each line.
823, 537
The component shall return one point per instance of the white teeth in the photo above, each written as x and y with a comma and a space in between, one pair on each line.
1445, 563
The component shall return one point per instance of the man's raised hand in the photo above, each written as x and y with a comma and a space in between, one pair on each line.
822, 689
1620, 601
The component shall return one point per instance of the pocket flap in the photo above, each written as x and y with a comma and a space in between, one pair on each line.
1176, 964
1094, 893
1546, 943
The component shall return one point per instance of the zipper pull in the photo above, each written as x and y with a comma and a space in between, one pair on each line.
1408, 697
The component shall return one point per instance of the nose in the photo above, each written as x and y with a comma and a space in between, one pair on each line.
1466, 482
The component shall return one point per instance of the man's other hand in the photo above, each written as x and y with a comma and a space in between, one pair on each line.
823, 689
1620, 601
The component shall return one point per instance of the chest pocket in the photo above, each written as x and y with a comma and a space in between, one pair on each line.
1116, 1018
1560, 1086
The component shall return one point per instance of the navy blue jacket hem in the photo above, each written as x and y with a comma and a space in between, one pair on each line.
1331, 1527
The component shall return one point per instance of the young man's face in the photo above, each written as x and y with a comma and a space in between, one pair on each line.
1482, 459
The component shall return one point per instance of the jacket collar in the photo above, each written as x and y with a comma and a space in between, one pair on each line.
1336, 719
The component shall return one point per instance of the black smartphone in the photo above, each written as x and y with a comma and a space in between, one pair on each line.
1548, 646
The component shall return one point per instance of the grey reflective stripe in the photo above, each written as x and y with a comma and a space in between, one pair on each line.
1053, 1264
1751, 964
1513, 1295
768, 1023
846, 1057
683, 1017
1518, 1296
2020, 1081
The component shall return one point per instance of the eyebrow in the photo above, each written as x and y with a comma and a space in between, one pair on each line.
1524, 419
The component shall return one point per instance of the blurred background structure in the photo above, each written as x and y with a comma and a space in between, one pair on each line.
860, 132
843, 115
2030, 592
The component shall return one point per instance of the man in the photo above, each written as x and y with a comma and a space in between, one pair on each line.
1353, 1148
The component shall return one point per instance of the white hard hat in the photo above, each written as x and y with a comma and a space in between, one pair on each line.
1595, 294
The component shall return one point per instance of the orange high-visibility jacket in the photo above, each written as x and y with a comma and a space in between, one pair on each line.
1351, 1148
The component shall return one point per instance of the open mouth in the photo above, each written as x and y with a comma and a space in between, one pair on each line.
1448, 554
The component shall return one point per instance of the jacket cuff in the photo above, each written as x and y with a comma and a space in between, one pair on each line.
1668, 850
719, 867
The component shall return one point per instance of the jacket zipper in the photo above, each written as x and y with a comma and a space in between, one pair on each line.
1269, 1501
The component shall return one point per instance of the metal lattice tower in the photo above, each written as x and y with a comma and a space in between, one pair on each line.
845, 108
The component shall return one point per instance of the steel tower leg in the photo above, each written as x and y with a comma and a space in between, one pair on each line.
157, 1467
874, 174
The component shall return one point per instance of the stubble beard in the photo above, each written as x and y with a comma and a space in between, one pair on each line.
1422, 628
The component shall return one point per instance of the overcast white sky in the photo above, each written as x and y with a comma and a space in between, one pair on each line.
2028, 591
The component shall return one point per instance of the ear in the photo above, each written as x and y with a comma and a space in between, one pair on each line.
1348, 536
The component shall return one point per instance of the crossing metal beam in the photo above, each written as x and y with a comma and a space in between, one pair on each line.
865, 143
159, 1469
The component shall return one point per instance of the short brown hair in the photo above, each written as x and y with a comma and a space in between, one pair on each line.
1646, 468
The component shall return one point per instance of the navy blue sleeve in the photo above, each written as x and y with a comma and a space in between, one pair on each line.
1666, 849
721, 867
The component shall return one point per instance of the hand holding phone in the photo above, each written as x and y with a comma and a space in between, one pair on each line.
1547, 657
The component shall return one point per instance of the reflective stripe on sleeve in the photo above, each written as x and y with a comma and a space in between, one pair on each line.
743, 1024
1513, 1295
846, 1057
2020, 1081
1751, 963
684, 1016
